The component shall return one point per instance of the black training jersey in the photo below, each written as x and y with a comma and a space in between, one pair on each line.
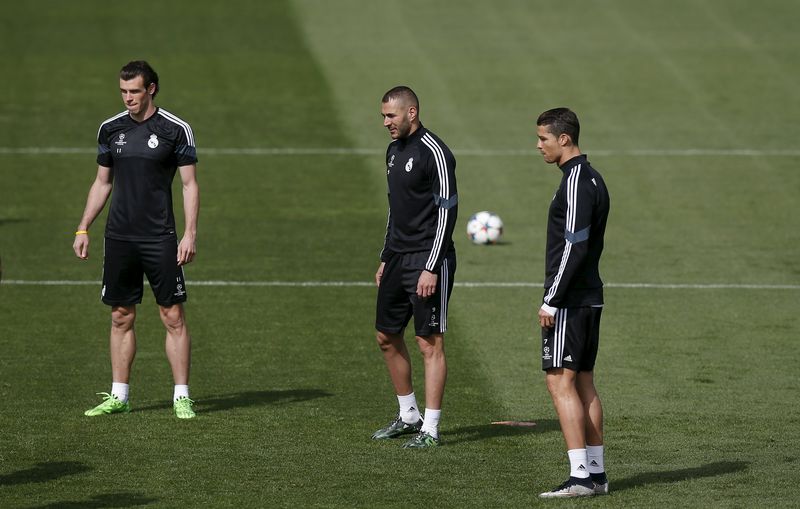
423, 200
576, 225
143, 158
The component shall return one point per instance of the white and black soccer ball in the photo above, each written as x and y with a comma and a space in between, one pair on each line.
485, 228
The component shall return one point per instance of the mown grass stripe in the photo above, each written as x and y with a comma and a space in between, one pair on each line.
467, 284
351, 151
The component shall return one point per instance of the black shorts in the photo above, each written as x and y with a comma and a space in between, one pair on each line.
573, 342
126, 262
398, 300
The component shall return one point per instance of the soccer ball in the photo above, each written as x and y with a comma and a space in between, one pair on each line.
485, 228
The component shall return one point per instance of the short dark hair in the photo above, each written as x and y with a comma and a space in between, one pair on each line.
401, 92
561, 121
140, 68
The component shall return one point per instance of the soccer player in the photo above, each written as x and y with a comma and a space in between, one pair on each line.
418, 261
573, 301
139, 151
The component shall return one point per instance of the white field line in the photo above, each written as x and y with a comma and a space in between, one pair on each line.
467, 284
349, 151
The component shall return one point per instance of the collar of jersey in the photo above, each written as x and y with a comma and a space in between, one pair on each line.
413, 136
573, 162
143, 122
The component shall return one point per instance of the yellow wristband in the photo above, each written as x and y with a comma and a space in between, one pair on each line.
82, 232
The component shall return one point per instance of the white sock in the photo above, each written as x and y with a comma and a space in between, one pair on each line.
577, 463
120, 391
431, 423
181, 391
595, 456
409, 410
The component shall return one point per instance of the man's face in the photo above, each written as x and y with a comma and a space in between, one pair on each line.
397, 118
548, 144
135, 95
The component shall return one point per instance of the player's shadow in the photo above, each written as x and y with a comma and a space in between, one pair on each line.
257, 398
102, 500
478, 432
219, 403
11, 220
44, 472
683, 474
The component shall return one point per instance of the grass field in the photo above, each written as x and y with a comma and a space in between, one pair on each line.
689, 110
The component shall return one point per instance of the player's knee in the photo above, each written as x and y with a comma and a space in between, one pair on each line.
589, 398
172, 317
386, 341
585, 385
431, 346
122, 317
560, 381
555, 389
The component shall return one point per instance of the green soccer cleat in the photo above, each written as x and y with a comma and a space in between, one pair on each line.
110, 405
183, 408
421, 440
396, 428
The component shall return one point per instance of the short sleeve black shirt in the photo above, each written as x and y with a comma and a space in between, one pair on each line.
143, 158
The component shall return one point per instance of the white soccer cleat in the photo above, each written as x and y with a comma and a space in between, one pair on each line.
572, 487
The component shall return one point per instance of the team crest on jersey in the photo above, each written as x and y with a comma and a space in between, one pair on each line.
410, 164
153, 141
121, 141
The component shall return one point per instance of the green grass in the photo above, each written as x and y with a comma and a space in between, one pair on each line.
698, 385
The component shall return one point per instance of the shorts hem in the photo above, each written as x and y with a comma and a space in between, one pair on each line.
389, 330
571, 366
428, 333
121, 302
171, 303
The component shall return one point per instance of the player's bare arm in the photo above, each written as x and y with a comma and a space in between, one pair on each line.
191, 209
98, 195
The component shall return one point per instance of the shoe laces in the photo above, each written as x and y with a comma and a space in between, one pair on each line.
184, 401
423, 436
108, 399
564, 485
394, 421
